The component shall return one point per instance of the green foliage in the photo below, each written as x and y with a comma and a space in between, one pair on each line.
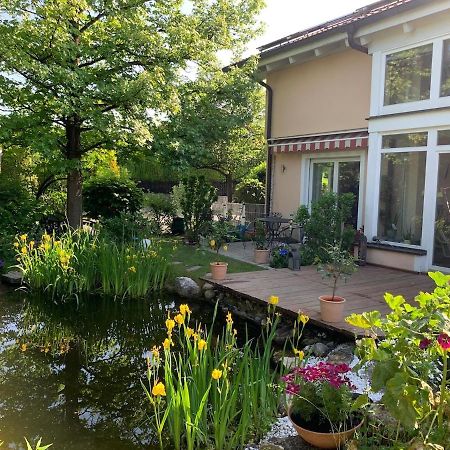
161, 210
81, 263
250, 190
260, 238
340, 265
76, 76
195, 202
325, 225
127, 228
110, 196
411, 363
213, 393
39, 446
219, 235
279, 257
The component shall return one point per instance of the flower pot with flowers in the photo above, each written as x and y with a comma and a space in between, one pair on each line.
321, 404
218, 239
262, 252
340, 265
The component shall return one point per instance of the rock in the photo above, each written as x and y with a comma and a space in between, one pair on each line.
290, 361
220, 296
193, 268
342, 354
318, 349
207, 287
186, 287
270, 446
13, 278
209, 294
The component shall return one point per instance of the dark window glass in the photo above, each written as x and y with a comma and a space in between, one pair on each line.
445, 77
408, 75
444, 137
405, 140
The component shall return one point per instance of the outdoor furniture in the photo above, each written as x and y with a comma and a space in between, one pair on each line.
273, 225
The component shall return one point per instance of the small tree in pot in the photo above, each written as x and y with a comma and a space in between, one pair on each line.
340, 265
219, 236
261, 244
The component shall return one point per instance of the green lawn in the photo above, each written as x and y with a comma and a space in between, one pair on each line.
186, 256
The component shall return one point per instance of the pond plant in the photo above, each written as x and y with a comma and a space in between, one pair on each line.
208, 392
79, 262
411, 366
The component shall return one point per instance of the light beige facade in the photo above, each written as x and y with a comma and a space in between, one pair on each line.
326, 94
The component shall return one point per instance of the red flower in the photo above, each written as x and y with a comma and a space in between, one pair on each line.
424, 343
444, 341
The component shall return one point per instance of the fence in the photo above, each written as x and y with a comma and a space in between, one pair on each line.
238, 212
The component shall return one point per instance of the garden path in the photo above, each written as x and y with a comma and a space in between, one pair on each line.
300, 290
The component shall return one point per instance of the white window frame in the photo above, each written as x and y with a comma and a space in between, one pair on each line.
435, 100
306, 185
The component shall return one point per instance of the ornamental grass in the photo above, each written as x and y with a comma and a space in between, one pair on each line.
80, 262
206, 391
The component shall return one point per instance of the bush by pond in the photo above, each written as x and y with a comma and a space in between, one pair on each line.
80, 262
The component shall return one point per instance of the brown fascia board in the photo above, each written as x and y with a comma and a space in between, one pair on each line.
279, 47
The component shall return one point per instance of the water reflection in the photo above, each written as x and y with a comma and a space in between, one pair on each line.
72, 373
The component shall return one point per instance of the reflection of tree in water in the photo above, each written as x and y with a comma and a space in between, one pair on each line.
77, 379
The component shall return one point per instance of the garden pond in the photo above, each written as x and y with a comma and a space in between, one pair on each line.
72, 373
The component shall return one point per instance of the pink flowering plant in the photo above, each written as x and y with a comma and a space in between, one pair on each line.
410, 364
321, 396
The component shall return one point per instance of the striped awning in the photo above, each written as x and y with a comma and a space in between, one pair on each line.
328, 142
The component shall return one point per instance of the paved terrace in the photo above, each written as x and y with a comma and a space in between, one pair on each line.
300, 290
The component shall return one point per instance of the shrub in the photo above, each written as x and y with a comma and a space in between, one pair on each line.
127, 227
196, 201
325, 226
250, 190
109, 197
410, 364
81, 263
161, 209
280, 257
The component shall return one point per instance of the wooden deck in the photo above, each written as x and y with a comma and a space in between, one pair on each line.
364, 291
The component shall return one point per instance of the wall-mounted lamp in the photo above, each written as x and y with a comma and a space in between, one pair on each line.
283, 168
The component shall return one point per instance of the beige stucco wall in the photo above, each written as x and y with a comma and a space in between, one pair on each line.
286, 184
391, 259
326, 94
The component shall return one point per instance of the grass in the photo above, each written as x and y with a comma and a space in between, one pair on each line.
190, 256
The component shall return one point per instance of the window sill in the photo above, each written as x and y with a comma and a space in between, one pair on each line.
397, 248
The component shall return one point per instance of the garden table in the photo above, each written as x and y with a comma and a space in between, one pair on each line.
274, 226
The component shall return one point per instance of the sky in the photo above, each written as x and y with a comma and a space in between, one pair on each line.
284, 17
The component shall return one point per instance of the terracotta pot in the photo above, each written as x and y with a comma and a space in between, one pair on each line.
262, 256
332, 310
218, 270
324, 440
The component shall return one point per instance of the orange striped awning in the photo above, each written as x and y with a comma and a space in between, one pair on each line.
320, 143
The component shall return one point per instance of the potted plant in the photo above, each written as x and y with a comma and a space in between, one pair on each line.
262, 252
218, 238
340, 265
321, 405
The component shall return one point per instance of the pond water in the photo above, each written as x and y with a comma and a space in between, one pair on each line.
71, 373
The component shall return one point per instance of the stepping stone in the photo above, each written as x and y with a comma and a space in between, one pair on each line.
13, 278
193, 268
176, 263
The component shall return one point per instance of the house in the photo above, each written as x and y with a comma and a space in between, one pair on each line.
362, 104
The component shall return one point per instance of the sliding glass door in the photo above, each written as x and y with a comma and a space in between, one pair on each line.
340, 176
441, 247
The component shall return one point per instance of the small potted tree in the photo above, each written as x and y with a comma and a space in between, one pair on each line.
218, 238
262, 253
340, 265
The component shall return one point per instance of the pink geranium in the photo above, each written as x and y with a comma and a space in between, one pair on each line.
444, 341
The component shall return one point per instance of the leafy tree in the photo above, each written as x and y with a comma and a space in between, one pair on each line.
77, 75
220, 125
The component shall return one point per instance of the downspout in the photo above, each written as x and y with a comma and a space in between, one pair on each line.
352, 41
269, 91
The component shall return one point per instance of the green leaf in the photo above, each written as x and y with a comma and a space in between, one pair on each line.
394, 302
366, 320
360, 402
383, 372
439, 278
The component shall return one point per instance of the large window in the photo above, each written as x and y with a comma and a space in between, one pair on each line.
402, 185
408, 75
445, 77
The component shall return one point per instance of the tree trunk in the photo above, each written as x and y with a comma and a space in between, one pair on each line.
74, 178
229, 185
